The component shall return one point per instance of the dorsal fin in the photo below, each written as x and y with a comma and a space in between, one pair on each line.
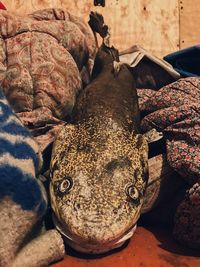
96, 23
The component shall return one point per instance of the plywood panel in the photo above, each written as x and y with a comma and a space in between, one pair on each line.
153, 24
189, 23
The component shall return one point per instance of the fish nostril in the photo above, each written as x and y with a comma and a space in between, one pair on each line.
77, 206
115, 211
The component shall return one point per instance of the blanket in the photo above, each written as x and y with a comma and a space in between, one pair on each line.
148, 70
175, 110
186, 61
45, 59
23, 200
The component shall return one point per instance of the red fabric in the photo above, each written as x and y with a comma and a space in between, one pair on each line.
175, 110
2, 6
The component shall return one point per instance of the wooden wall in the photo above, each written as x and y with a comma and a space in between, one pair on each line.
160, 26
189, 22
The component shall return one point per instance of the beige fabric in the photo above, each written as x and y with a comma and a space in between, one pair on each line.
16, 228
42, 251
135, 54
15, 224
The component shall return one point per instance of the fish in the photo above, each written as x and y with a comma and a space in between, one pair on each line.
99, 163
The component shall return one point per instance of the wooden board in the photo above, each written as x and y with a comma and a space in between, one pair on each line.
189, 23
153, 24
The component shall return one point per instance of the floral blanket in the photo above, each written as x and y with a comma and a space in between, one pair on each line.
175, 110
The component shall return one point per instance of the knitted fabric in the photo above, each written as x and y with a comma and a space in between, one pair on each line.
19, 162
42, 251
22, 197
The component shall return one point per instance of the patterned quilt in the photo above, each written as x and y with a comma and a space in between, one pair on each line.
175, 110
45, 59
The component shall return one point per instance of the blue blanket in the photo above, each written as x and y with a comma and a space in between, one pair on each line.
19, 162
186, 61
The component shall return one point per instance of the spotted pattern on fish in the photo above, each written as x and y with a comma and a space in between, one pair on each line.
99, 165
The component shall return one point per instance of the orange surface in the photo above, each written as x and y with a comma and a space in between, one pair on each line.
148, 248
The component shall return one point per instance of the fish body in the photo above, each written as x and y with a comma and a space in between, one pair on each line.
99, 167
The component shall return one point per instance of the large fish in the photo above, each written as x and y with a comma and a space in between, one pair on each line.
99, 165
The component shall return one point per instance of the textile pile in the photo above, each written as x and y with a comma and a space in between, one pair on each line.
23, 200
45, 59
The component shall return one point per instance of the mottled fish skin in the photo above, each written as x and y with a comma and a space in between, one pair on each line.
99, 167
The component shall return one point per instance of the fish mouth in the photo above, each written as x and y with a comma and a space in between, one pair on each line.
92, 248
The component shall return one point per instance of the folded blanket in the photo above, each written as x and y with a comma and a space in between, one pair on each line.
186, 61
42, 59
23, 200
148, 70
175, 110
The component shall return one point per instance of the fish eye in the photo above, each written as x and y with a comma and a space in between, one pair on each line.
133, 193
64, 186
